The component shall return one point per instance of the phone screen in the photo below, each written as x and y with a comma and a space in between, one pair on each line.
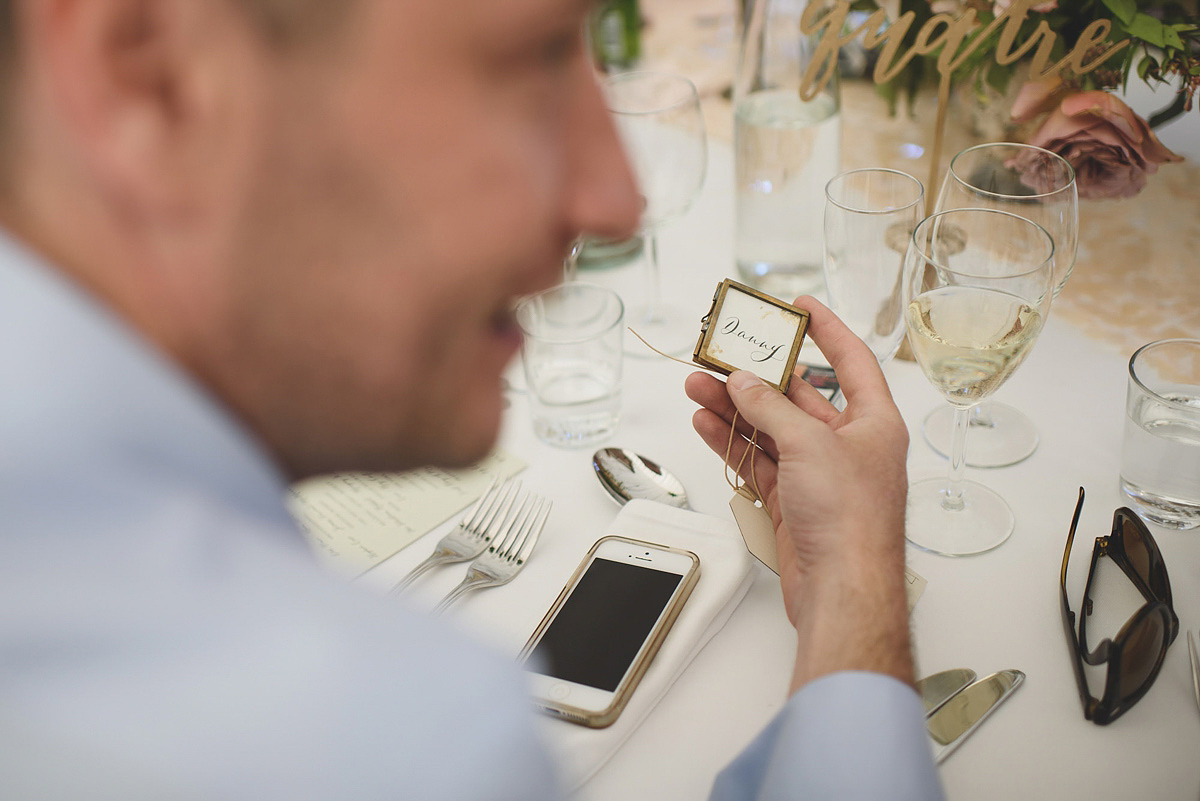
601, 627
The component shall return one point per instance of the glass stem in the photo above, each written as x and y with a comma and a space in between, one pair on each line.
953, 500
654, 286
981, 416
571, 262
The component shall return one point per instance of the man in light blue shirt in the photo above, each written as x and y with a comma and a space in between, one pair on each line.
249, 241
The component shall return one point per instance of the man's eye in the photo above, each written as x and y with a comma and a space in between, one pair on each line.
559, 49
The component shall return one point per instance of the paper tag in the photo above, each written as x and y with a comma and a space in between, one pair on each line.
758, 530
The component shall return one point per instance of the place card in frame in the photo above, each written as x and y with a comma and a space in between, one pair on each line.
750, 330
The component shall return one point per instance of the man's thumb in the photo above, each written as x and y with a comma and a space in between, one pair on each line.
762, 406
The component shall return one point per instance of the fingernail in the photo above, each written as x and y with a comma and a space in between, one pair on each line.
743, 380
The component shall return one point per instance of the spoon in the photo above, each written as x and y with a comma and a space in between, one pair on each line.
626, 475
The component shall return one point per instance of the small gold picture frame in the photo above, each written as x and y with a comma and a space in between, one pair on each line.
749, 330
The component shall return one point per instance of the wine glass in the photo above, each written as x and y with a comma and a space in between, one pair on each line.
658, 118
1040, 186
869, 218
977, 287
571, 261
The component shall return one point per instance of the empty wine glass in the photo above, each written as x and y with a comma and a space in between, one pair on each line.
658, 117
869, 218
571, 261
1040, 186
977, 287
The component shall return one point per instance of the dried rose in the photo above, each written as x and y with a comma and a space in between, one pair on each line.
1037, 97
1111, 148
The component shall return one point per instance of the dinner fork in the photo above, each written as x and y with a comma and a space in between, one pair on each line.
1195, 657
471, 536
508, 552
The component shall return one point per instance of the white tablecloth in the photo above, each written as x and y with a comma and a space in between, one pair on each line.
988, 612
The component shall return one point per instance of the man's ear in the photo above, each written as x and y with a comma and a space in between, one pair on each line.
131, 83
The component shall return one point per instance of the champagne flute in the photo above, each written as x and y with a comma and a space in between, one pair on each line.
658, 117
977, 287
869, 217
1036, 184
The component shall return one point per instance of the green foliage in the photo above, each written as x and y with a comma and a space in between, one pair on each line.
1164, 45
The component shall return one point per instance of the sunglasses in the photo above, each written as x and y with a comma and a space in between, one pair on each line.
1136, 653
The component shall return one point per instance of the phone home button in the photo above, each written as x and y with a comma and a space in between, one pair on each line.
560, 692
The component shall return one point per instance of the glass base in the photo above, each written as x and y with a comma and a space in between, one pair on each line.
670, 329
998, 436
983, 523
1173, 513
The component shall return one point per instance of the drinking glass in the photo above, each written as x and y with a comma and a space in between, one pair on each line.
869, 218
977, 286
658, 118
571, 350
1040, 186
1160, 456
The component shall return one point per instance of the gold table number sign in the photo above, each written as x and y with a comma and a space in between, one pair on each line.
958, 38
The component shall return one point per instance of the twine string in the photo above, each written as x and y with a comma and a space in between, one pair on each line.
749, 491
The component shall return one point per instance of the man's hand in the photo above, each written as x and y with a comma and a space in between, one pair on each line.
835, 484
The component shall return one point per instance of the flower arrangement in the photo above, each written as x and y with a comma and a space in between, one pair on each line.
1112, 149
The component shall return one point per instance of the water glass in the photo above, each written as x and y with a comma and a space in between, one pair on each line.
869, 216
572, 357
658, 117
1160, 460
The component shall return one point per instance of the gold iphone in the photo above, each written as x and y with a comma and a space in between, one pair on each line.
591, 649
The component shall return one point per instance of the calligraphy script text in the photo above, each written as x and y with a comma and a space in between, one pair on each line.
766, 351
949, 33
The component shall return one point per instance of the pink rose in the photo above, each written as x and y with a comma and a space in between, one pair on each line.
1037, 97
1111, 148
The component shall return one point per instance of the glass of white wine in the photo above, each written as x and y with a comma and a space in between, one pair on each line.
977, 288
1036, 184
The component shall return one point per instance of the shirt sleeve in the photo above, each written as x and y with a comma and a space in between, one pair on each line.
849, 735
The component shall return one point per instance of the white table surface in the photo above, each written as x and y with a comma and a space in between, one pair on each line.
988, 612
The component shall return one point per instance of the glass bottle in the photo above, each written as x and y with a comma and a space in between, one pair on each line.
786, 149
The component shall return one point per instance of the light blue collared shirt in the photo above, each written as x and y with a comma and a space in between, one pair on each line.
165, 632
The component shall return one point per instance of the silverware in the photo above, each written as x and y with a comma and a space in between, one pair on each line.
939, 688
625, 475
508, 552
968, 708
472, 535
1194, 656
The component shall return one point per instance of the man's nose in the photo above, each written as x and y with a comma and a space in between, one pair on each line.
604, 200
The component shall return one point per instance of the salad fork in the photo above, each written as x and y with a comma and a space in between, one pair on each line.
472, 535
507, 554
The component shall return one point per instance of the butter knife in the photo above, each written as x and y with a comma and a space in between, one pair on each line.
963, 713
939, 688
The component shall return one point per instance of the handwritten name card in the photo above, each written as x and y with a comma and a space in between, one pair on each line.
748, 330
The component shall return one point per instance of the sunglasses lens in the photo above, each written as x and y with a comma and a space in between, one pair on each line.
1143, 555
1135, 548
1139, 657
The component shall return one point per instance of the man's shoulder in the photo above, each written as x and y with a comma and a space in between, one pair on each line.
177, 626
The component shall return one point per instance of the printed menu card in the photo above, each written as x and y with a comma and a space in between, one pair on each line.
357, 520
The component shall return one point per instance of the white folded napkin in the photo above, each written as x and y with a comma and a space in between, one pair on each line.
725, 576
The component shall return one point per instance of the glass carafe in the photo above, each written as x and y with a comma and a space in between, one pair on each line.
787, 148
